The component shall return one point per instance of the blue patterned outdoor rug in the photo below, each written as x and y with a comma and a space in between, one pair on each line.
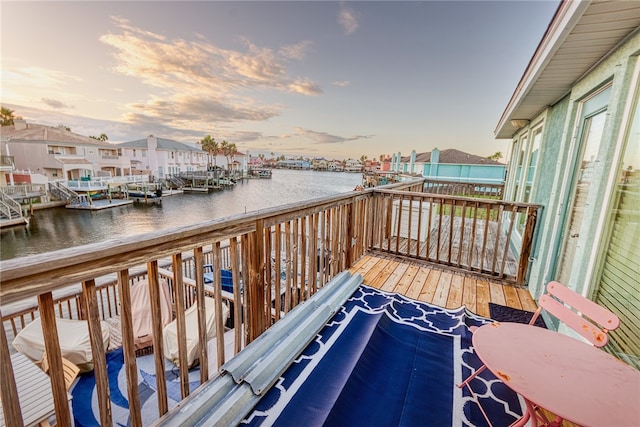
386, 360
85, 402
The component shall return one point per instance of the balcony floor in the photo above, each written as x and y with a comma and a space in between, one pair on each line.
436, 285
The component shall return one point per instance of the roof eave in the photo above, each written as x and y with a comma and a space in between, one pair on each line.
564, 20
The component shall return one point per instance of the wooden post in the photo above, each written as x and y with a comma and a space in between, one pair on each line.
256, 303
527, 240
313, 252
52, 347
98, 351
278, 282
348, 236
129, 350
304, 286
237, 294
246, 254
156, 319
217, 292
181, 328
288, 278
202, 317
399, 222
8, 390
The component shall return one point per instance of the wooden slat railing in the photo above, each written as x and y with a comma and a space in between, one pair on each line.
465, 233
279, 257
465, 189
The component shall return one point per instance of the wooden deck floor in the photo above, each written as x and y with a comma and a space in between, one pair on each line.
435, 285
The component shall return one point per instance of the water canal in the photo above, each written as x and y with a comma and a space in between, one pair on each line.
59, 228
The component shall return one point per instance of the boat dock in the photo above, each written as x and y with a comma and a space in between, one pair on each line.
96, 205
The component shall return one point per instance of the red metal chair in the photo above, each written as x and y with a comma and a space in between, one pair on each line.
590, 320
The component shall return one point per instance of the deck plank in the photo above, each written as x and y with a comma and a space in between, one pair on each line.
395, 276
384, 273
442, 291
497, 294
408, 279
435, 285
469, 294
414, 289
456, 291
526, 300
483, 298
429, 288
511, 297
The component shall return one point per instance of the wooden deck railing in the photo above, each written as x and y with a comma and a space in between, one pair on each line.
466, 233
279, 257
465, 189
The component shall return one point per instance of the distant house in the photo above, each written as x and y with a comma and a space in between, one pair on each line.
353, 165
57, 153
574, 125
319, 164
385, 165
336, 166
452, 165
293, 164
160, 157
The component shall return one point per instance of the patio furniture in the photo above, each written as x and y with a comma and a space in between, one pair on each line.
34, 392
572, 379
75, 344
585, 317
170, 332
226, 278
71, 371
141, 314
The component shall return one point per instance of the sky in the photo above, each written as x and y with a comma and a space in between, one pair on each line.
298, 78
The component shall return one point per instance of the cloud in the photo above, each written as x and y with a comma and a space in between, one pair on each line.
347, 17
196, 82
305, 87
23, 84
54, 103
325, 138
343, 83
193, 110
295, 51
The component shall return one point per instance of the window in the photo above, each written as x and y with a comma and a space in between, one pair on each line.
134, 152
520, 153
144, 153
533, 156
618, 285
587, 154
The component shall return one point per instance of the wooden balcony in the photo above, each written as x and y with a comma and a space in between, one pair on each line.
442, 249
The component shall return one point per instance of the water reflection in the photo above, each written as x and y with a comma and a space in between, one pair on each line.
58, 228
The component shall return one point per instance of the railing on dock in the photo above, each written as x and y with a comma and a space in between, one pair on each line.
278, 257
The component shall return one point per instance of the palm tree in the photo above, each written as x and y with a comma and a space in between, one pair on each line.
211, 146
495, 156
103, 137
7, 116
228, 149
